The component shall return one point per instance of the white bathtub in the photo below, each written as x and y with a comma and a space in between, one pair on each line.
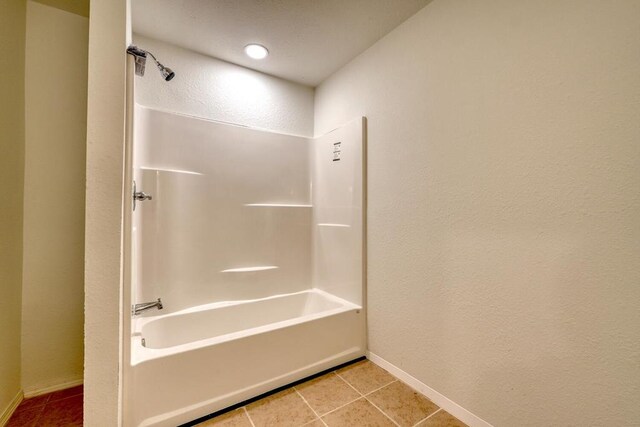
203, 359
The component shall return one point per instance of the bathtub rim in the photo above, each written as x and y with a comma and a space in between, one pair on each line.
140, 354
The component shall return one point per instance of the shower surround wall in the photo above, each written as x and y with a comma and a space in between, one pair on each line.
231, 214
254, 242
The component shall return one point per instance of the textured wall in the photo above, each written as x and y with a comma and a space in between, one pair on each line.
103, 215
213, 89
53, 267
504, 206
12, 42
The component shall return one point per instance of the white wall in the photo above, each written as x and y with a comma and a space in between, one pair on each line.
209, 88
504, 206
103, 214
52, 294
12, 41
227, 197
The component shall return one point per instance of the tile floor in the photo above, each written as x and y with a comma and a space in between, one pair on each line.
358, 395
58, 409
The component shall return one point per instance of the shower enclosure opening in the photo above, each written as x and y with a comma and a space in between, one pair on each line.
247, 259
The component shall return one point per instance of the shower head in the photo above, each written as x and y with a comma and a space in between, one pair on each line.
167, 73
140, 56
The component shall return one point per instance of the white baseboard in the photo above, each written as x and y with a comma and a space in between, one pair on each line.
33, 392
442, 401
4, 417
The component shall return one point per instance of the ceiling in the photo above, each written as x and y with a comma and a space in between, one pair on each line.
308, 40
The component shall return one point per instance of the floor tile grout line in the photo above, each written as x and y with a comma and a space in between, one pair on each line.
368, 393
21, 408
379, 409
429, 416
383, 413
372, 391
35, 421
248, 416
380, 388
349, 384
364, 396
64, 398
312, 410
341, 406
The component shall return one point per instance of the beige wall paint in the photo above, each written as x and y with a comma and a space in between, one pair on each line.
12, 42
53, 288
79, 7
504, 205
103, 215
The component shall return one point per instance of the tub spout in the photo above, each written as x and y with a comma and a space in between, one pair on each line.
139, 308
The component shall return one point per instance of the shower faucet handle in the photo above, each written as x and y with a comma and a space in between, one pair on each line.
141, 196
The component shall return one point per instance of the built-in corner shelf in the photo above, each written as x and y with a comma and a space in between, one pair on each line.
250, 269
334, 225
277, 205
170, 170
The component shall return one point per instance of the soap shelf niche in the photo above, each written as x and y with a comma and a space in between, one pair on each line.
326, 224
277, 205
144, 168
250, 269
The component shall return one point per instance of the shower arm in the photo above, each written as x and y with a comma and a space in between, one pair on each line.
153, 56
158, 64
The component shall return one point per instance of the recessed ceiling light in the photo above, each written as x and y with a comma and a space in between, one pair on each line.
256, 51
